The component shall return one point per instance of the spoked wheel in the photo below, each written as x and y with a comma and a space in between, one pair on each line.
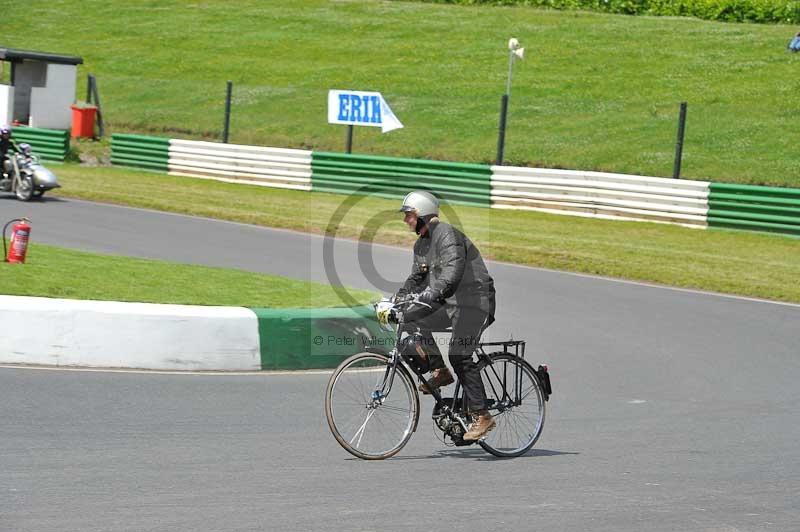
517, 403
24, 190
366, 424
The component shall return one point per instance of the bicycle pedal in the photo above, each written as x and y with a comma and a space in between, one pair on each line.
461, 442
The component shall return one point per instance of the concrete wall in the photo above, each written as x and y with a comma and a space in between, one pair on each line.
62, 332
50, 105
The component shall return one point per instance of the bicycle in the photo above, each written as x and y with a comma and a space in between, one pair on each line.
375, 389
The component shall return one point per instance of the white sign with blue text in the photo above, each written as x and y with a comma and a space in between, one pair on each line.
361, 108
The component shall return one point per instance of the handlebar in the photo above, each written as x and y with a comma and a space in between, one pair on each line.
392, 309
410, 299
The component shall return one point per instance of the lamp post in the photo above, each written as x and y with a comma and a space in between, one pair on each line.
514, 52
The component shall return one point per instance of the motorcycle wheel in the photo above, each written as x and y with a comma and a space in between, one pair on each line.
24, 190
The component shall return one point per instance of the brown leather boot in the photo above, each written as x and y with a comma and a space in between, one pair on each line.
441, 377
484, 422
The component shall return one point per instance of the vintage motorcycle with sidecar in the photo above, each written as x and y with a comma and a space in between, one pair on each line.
24, 176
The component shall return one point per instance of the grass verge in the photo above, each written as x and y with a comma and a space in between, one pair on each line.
749, 264
55, 272
595, 91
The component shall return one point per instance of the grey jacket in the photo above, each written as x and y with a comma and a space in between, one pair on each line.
450, 264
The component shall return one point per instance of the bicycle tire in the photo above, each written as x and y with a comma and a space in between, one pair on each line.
510, 437
351, 400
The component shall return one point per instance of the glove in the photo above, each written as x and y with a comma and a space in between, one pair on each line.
384, 310
429, 296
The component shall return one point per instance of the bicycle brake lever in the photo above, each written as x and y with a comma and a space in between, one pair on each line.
413, 299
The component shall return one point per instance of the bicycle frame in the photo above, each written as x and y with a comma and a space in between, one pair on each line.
396, 358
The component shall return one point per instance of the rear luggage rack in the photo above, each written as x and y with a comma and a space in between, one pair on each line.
517, 348
518, 345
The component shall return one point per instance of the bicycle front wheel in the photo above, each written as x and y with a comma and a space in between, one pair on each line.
515, 400
364, 422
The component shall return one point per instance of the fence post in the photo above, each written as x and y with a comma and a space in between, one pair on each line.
501, 136
93, 97
226, 130
349, 145
676, 169
100, 121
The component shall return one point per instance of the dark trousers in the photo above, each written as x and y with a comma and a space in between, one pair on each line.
468, 324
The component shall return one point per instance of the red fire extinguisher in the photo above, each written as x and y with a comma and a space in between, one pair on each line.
20, 233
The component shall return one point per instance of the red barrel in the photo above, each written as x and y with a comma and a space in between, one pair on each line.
83, 121
20, 233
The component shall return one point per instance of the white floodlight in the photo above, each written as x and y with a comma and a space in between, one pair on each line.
515, 51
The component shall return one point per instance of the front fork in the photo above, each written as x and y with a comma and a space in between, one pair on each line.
382, 391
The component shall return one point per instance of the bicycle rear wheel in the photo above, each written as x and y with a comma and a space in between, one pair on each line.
365, 424
515, 400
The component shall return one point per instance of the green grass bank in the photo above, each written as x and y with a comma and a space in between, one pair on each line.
55, 272
595, 91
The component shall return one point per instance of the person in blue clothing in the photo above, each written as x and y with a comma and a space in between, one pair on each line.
794, 44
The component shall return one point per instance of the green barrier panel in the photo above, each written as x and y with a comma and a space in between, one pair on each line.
748, 225
158, 165
317, 338
47, 144
745, 215
762, 200
134, 150
393, 177
376, 173
391, 164
44, 142
140, 151
755, 190
38, 132
140, 139
48, 154
754, 208
398, 190
125, 145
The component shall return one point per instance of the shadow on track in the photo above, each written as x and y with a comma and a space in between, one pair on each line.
476, 453
42, 199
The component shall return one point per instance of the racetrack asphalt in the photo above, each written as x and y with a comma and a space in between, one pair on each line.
672, 410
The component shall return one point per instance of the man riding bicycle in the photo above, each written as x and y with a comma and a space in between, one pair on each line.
450, 275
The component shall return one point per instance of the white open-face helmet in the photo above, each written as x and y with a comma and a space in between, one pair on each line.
421, 202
